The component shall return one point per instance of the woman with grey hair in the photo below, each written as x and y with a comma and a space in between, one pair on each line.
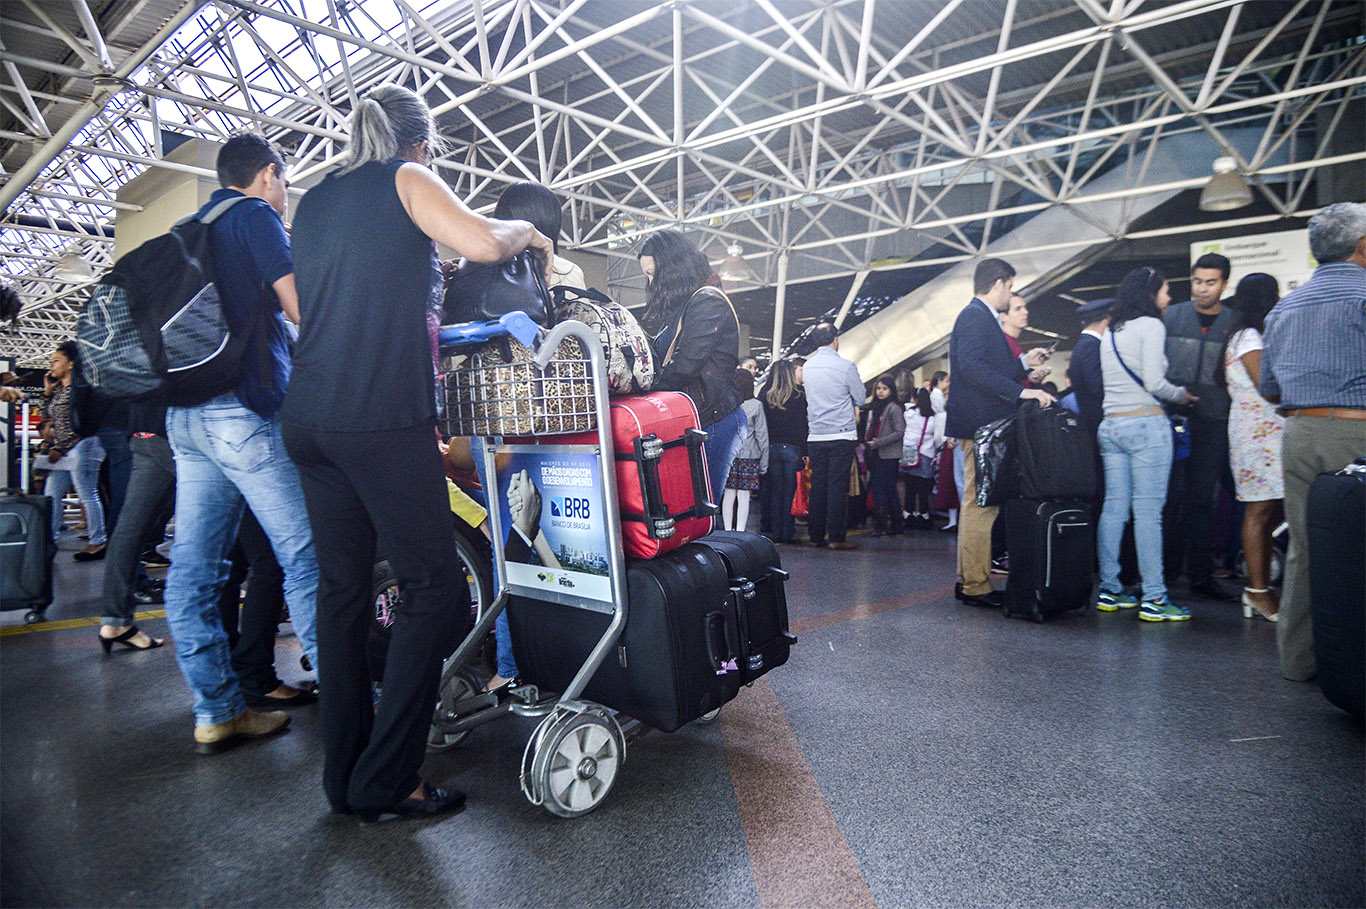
360, 424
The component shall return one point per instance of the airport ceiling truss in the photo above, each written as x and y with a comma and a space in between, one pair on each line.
823, 137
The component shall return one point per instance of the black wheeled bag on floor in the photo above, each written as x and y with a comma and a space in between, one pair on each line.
664, 669
757, 578
1052, 549
1337, 584
26, 551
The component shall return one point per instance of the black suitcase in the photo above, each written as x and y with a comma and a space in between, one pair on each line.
666, 668
759, 598
1337, 584
1052, 550
26, 551
1055, 454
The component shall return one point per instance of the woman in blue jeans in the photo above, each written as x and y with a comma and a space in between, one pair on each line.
784, 403
698, 345
1136, 443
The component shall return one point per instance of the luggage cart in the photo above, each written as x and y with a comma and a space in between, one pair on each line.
542, 385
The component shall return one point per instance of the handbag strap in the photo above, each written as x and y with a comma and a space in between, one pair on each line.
1133, 375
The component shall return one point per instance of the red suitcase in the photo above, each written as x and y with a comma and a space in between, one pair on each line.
662, 481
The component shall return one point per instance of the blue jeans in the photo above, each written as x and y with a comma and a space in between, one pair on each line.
89, 456
1137, 452
783, 463
725, 437
56, 485
225, 452
502, 634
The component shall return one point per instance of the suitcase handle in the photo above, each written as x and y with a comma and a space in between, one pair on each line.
721, 633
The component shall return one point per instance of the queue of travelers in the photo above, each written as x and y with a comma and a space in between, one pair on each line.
1275, 389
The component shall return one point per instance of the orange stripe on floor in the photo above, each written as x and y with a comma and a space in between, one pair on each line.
865, 610
799, 856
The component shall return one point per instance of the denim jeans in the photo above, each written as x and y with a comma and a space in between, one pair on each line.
783, 463
502, 634
726, 436
56, 484
89, 456
225, 453
119, 461
1137, 452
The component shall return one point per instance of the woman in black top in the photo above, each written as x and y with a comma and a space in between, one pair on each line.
360, 424
698, 346
785, 410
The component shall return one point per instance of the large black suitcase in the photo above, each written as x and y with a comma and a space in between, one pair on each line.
1337, 584
26, 551
1052, 549
756, 572
664, 669
1055, 454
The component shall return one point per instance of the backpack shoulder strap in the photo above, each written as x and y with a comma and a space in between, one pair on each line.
214, 213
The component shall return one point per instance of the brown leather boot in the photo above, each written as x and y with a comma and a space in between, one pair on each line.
214, 738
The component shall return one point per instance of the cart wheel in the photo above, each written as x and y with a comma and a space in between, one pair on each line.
456, 685
33, 617
576, 764
711, 716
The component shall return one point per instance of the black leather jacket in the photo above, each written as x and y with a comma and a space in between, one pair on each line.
705, 354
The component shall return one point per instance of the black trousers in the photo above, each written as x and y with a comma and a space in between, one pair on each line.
362, 489
830, 463
252, 629
882, 484
151, 489
1188, 517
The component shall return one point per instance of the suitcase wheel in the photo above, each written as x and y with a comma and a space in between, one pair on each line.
711, 716
33, 616
575, 758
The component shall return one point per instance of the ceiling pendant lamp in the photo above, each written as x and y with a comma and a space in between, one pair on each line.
734, 268
1227, 189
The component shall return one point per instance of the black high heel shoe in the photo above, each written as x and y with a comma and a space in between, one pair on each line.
126, 639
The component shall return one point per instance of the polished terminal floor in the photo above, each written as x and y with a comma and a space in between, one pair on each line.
913, 752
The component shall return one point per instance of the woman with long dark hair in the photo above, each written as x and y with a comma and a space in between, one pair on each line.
698, 345
886, 430
1136, 443
360, 424
784, 403
1254, 438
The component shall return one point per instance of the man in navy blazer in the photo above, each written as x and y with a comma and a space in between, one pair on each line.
987, 385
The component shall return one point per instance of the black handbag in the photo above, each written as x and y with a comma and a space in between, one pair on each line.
482, 293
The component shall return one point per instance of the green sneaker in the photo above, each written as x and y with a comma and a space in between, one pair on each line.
1110, 602
1163, 610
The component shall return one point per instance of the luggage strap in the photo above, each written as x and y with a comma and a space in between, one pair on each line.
660, 523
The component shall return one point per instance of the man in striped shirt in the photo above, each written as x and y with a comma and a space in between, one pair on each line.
1314, 366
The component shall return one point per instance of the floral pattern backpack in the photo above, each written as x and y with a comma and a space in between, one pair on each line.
630, 364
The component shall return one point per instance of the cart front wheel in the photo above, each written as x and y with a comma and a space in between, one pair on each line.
456, 685
577, 764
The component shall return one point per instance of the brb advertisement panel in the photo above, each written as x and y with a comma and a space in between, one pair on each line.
551, 505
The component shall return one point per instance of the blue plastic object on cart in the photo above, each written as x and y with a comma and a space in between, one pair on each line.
517, 324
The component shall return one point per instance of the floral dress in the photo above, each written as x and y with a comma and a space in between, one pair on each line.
1254, 427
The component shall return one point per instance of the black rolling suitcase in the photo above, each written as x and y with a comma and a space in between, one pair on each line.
1337, 584
26, 551
1052, 549
757, 577
666, 669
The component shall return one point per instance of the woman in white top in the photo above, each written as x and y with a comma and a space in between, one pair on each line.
1136, 443
923, 438
1254, 438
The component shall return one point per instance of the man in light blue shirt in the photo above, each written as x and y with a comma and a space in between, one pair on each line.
833, 395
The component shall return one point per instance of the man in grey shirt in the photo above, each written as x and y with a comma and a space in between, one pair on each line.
833, 395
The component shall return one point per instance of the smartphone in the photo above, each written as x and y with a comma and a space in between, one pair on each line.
1052, 347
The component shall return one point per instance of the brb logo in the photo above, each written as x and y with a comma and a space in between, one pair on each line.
570, 507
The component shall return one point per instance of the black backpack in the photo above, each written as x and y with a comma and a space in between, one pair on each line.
1055, 454
155, 324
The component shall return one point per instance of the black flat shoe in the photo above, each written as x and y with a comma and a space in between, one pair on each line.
986, 601
1212, 590
86, 555
126, 639
301, 698
435, 800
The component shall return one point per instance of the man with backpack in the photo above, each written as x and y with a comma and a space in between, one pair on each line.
229, 449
